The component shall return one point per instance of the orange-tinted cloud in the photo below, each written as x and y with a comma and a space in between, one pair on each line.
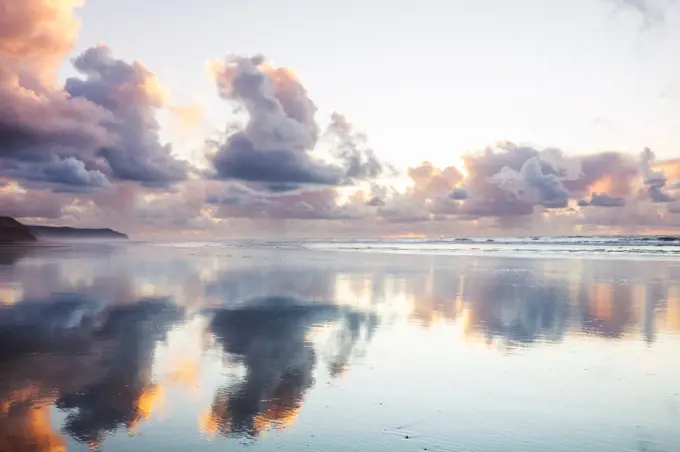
37, 33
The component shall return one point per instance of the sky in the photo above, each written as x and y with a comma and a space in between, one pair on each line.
225, 118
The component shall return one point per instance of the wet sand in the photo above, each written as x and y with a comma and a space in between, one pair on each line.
133, 347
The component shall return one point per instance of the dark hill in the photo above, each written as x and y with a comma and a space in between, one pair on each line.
11, 231
75, 233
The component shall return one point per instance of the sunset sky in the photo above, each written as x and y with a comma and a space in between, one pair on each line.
316, 118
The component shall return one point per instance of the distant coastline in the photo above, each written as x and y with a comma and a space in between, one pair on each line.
14, 232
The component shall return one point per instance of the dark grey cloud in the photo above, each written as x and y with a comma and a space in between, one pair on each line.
239, 201
459, 194
654, 180
34, 128
277, 170
657, 194
237, 195
274, 147
131, 94
59, 174
603, 200
375, 201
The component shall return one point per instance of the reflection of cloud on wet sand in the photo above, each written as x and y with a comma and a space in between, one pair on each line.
27, 428
523, 302
270, 337
94, 361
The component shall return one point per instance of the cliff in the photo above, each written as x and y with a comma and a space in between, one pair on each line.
11, 231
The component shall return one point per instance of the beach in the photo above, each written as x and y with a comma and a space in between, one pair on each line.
399, 345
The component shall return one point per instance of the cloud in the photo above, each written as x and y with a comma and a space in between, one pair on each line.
132, 94
278, 170
530, 185
510, 180
37, 33
375, 201
89, 152
357, 161
46, 137
430, 181
650, 10
31, 204
509, 187
39, 121
238, 201
91, 131
611, 172
603, 200
459, 194
654, 180
68, 174
275, 147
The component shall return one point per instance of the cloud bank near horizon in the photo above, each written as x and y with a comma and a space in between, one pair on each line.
89, 153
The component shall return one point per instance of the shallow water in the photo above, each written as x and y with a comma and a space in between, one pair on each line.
171, 348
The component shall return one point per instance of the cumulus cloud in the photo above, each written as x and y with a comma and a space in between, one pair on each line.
274, 148
510, 186
39, 121
132, 94
37, 33
531, 185
510, 180
90, 151
94, 130
281, 129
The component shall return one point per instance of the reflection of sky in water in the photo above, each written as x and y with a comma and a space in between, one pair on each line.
134, 348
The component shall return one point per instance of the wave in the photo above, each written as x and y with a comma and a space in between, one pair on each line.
600, 246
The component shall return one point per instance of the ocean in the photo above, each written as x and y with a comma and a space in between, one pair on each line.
487, 344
